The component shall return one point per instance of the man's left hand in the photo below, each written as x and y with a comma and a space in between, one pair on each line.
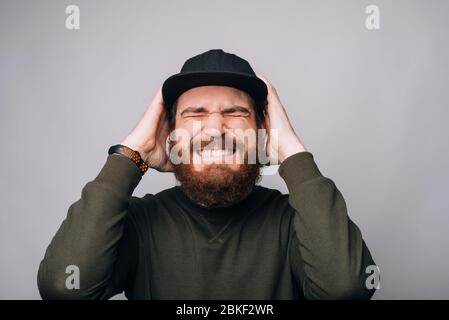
288, 143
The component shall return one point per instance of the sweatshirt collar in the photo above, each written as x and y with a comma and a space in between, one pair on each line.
219, 214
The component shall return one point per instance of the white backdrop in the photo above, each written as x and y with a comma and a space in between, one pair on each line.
371, 105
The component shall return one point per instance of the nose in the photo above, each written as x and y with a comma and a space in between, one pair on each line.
214, 124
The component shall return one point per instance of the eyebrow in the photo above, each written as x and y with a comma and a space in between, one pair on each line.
194, 109
236, 108
199, 109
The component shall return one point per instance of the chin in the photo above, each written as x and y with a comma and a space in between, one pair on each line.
216, 168
217, 185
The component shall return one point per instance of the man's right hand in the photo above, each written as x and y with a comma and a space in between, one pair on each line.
149, 135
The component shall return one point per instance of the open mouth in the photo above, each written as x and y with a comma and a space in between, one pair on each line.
217, 152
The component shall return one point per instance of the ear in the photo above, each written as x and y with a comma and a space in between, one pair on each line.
168, 145
261, 143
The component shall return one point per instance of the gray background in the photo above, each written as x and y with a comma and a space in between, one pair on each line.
372, 106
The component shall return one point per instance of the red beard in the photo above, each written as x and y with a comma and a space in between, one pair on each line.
217, 185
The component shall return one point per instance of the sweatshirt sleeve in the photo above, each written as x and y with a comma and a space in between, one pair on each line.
97, 238
328, 255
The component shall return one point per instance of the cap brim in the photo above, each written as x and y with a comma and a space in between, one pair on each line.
179, 83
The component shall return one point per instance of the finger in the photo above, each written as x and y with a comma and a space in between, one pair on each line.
157, 104
263, 78
270, 86
151, 117
158, 98
272, 93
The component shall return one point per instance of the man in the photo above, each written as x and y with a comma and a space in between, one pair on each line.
218, 235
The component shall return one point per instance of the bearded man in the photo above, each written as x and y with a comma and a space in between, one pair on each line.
217, 234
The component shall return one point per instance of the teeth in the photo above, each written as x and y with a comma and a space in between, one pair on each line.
215, 153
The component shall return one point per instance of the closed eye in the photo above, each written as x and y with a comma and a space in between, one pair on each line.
236, 111
193, 112
232, 111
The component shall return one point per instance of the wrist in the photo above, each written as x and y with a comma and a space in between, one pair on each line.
290, 148
130, 153
132, 145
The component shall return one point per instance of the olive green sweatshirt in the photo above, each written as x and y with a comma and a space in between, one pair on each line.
164, 246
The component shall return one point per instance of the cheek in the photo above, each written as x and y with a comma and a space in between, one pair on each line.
180, 138
241, 122
246, 133
191, 127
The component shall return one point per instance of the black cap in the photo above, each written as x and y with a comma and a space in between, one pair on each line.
215, 67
